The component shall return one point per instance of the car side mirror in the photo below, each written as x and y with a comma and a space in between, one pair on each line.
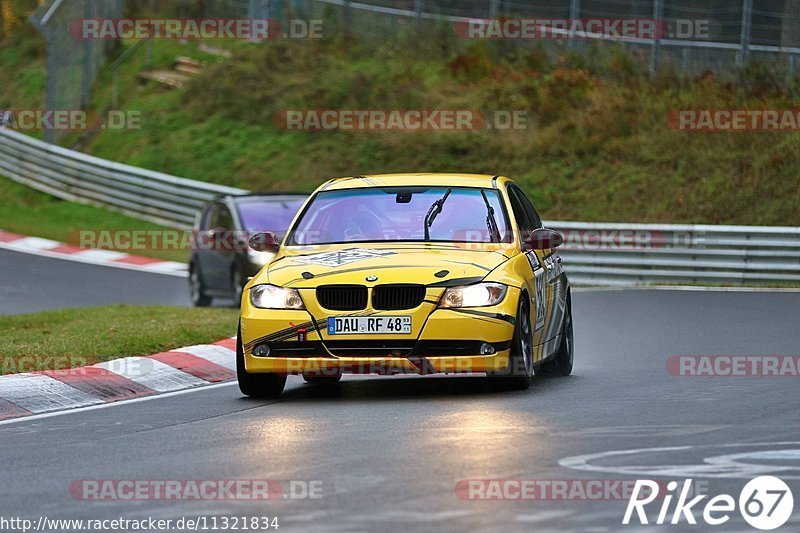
266, 241
543, 239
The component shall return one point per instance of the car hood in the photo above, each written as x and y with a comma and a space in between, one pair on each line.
431, 263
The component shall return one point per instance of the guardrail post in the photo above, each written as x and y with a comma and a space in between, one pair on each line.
418, 13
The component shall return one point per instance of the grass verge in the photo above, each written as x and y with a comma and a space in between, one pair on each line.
30, 212
597, 145
78, 337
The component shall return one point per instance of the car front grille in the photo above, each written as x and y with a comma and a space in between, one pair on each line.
395, 348
342, 297
395, 297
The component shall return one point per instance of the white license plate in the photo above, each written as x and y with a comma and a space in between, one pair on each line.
350, 325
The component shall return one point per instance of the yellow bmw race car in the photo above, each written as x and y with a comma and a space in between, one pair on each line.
407, 273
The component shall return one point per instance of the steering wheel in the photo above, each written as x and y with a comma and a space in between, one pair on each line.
363, 226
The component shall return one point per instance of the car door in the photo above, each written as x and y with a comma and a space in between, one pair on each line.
537, 285
554, 278
218, 254
204, 243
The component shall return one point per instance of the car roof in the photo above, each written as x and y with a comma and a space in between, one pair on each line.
261, 196
418, 179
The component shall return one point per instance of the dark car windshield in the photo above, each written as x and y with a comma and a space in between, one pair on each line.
389, 214
268, 214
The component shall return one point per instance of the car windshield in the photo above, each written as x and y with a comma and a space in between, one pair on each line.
375, 214
268, 215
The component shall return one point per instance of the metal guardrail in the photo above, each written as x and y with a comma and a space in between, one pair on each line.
595, 253
633, 254
71, 175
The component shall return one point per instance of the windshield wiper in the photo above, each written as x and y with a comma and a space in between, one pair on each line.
491, 222
433, 212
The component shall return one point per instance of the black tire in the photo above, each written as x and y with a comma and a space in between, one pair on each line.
519, 374
197, 289
561, 364
322, 380
256, 385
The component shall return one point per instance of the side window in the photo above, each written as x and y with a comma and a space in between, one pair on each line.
225, 220
523, 220
210, 218
529, 209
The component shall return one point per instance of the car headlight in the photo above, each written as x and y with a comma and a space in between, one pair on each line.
273, 297
478, 295
259, 258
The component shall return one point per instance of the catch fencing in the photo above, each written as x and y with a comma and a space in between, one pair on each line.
716, 34
72, 64
594, 253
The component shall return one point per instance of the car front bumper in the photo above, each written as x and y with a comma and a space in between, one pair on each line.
449, 341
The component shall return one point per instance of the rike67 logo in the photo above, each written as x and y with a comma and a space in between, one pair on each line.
765, 503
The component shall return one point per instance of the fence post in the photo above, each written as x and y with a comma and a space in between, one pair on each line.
149, 54
685, 60
259, 9
493, 8
49, 89
263, 10
574, 14
88, 13
346, 16
658, 14
744, 40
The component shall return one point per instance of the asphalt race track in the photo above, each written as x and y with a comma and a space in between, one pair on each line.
33, 283
390, 452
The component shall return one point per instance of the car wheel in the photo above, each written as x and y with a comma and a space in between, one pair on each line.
324, 379
519, 373
256, 385
561, 364
197, 289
